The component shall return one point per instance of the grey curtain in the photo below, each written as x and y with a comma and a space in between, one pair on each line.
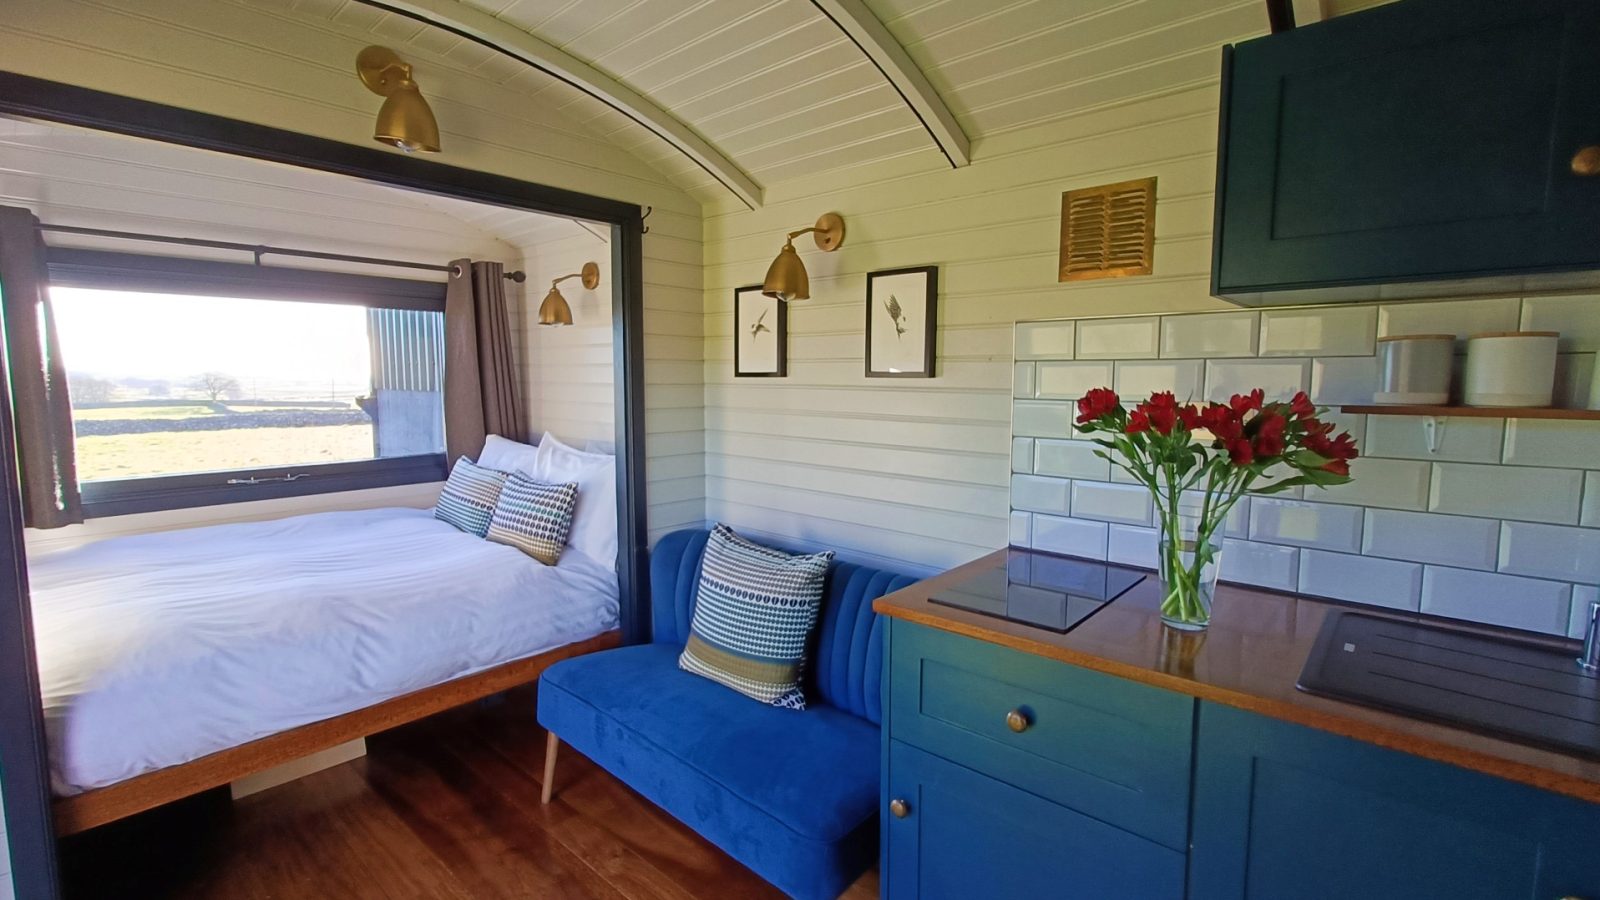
42, 408
481, 396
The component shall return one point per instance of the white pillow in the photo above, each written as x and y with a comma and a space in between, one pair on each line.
594, 525
506, 455
607, 447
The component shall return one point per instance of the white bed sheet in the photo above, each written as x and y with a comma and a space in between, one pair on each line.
158, 649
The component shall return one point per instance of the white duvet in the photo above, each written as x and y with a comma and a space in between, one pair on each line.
158, 649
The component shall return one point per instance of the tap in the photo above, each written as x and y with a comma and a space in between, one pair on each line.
1590, 660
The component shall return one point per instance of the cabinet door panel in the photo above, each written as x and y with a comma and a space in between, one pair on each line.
1432, 139
1285, 811
966, 835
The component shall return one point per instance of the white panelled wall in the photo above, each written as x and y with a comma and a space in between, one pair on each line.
912, 474
1498, 523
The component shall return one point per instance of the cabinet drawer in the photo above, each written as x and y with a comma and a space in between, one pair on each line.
1107, 747
964, 836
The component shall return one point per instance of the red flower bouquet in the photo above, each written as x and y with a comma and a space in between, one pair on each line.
1197, 460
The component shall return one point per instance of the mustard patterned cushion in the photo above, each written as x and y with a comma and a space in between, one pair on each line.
533, 517
753, 617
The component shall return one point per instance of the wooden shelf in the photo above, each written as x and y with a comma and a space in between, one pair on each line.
1475, 412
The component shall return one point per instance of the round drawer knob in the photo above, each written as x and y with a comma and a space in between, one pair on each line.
1017, 721
1586, 162
899, 808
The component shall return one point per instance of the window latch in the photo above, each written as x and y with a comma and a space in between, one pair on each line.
288, 476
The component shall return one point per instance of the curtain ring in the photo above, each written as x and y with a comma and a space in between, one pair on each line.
457, 270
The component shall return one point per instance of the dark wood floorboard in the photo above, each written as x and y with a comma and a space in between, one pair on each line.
444, 809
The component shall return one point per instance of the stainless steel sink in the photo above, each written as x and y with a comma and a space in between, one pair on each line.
1522, 690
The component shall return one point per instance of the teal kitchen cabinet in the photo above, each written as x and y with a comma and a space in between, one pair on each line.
1425, 145
1281, 810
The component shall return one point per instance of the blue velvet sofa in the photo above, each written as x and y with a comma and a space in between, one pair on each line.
791, 794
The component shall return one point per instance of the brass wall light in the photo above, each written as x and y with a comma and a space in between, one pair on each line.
404, 120
786, 277
554, 310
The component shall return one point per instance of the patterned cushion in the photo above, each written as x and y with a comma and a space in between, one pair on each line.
534, 517
468, 498
753, 617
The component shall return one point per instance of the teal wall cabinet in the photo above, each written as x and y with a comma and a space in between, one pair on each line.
1419, 142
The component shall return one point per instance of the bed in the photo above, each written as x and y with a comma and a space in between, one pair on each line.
178, 661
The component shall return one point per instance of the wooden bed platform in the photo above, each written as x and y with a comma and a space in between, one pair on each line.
107, 804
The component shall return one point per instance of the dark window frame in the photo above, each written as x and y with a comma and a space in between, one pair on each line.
22, 741
110, 270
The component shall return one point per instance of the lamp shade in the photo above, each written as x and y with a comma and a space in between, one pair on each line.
786, 277
554, 310
405, 121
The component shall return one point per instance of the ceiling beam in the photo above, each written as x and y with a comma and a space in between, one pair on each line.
863, 27
480, 27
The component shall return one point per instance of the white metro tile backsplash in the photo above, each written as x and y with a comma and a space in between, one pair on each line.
1119, 338
1460, 440
1022, 380
1361, 579
1070, 380
1022, 455
1263, 565
1032, 493
1507, 492
1042, 418
1021, 529
1543, 442
1576, 318
1298, 523
1344, 379
1324, 331
1045, 340
1462, 318
1428, 538
1210, 334
1069, 459
1550, 551
1071, 537
1131, 546
1124, 504
1508, 600
1185, 378
1280, 378
1499, 521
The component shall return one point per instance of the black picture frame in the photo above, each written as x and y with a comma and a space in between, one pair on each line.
928, 312
780, 332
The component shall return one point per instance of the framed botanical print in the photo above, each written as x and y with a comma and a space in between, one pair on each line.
760, 334
902, 305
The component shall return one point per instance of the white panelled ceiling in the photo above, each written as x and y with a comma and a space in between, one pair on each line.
780, 90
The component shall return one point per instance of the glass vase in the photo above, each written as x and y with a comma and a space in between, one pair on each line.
1188, 568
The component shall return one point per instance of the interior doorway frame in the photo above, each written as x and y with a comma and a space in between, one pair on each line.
24, 774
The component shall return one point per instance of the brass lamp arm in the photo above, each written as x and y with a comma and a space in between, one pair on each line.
590, 276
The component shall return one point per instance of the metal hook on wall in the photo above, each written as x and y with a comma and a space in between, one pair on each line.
646, 219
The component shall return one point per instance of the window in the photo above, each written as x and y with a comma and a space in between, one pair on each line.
196, 383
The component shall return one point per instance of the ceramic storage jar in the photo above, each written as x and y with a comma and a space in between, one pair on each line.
1415, 368
1511, 368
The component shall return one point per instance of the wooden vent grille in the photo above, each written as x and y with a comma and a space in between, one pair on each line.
1108, 231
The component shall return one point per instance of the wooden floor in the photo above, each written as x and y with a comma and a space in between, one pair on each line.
445, 808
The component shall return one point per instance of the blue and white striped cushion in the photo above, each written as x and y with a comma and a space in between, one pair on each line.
534, 517
468, 498
753, 617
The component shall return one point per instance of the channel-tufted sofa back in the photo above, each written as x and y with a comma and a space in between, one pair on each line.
846, 664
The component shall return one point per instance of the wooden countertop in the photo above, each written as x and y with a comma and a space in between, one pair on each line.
1250, 658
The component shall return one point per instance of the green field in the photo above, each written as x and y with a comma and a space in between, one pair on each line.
175, 411
172, 452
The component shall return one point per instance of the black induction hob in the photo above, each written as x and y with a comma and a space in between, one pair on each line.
1042, 590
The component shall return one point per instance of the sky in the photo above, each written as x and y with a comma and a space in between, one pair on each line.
116, 334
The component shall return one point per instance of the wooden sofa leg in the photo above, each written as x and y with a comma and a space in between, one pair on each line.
552, 744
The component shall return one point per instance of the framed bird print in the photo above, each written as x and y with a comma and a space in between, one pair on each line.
901, 308
760, 335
